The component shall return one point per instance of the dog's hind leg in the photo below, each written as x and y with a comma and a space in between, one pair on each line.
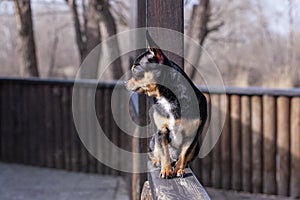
184, 159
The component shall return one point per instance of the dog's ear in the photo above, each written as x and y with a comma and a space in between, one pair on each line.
154, 49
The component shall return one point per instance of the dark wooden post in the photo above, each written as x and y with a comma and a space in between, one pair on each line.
167, 14
138, 16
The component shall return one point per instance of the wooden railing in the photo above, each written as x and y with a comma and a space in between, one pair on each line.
259, 148
258, 151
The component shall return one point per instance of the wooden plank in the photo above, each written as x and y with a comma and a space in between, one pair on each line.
90, 131
269, 145
206, 162
83, 128
1, 117
246, 142
146, 192
283, 144
4, 127
107, 127
66, 106
40, 114
49, 126
207, 165
175, 188
17, 135
235, 113
295, 148
58, 138
225, 146
74, 140
216, 152
100, 116
161, 13
256, 126
10, 124
114, 132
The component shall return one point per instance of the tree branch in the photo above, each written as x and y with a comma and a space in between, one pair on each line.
215, 27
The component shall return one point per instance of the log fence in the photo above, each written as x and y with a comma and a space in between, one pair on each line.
258, 151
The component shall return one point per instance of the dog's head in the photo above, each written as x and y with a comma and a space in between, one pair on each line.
145, 71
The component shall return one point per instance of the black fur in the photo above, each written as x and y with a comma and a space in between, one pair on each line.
169, 82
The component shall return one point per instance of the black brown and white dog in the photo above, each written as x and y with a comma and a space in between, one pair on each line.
179, 111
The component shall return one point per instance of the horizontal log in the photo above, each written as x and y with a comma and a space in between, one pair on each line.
250, 91
175, 188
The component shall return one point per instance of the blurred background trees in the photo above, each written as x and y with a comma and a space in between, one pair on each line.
254, 43
26, 44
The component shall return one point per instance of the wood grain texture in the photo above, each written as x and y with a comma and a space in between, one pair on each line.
225, 146
283, 145
269, 145
146, 192
256, 127
176, 188
216, 152
295, 148
162, 13
235, 113
246, 142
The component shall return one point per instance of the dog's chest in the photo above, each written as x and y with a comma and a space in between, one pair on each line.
169, 121
181, 130
166, 107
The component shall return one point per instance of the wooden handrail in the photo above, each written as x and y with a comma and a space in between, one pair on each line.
176, 188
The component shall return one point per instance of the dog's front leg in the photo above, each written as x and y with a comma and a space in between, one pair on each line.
163, 141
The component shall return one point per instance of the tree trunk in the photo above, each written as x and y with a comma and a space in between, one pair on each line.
78, 33
89, 36
111, 29
28, 59
198, 29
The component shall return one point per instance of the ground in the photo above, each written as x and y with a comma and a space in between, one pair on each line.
19, 182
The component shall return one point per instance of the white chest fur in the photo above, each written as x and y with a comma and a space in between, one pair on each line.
168, 107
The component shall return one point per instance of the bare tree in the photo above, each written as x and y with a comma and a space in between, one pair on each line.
111, 29
26, 44
290, 46
199, 28
88, 34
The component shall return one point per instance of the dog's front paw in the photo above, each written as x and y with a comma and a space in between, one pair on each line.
179, 172
166, 172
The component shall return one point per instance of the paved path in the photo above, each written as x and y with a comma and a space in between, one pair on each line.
232, 195
18, 182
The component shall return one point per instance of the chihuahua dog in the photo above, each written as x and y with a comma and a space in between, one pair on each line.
179, 111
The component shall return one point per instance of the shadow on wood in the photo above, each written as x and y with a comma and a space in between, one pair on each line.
176, 188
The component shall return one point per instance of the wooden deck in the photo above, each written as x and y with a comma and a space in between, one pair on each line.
21, 182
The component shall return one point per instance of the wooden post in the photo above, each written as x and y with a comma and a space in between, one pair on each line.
235, 112
138, 14
225, 147
295, 148
167, 14
206, 162
269, 145
256, 127
216, 152
246, 143
283, 144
